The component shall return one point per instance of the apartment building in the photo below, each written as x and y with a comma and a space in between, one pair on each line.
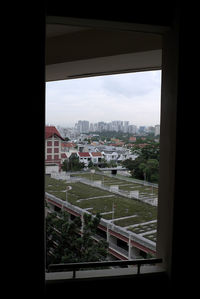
53, 141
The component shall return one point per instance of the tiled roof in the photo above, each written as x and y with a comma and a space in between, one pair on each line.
96, 154
84, 154
69, 144
50, 131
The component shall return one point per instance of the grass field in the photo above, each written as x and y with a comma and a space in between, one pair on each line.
123, 184
97, 200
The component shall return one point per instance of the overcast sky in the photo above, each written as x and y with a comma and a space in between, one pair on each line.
133, 97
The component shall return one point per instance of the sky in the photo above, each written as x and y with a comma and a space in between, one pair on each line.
133, 97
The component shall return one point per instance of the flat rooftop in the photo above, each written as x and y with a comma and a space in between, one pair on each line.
131, 214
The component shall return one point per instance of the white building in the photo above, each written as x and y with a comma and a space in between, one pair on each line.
84, 157
96, 157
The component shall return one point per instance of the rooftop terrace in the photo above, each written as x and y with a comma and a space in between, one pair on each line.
130, 214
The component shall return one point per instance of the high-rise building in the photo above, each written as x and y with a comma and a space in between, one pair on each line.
83, 126
132, 129
125, 127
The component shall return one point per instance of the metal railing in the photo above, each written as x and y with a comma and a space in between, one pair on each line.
77, 266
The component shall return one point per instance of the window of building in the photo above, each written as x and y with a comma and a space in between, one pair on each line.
166, 165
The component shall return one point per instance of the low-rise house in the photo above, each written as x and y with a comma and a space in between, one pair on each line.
110, 156
84, 157
68, 148
96, 158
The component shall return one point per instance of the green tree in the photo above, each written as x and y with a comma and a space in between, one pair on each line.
90, 164
72, 164
65, 243
146, 165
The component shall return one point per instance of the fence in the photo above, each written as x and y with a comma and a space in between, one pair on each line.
115, 190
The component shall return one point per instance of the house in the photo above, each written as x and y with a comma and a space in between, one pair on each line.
53, 141
110, 155
132, 139
84, 157
68, 148
96, 157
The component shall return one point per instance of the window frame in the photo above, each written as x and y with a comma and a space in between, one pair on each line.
167, 129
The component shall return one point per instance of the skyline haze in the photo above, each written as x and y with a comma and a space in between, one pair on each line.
133, 97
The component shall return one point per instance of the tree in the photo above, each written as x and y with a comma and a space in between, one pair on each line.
90, 164
65, 244
146, 165
72, 164
133, 166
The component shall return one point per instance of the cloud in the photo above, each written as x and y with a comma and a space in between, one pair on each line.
134, 97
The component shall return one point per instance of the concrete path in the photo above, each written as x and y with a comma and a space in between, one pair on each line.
122, 218
140, 224
95, 197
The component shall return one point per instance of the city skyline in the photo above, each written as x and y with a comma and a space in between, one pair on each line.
133, 97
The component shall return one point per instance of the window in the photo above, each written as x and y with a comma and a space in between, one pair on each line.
166, 163
49, 157
126, 200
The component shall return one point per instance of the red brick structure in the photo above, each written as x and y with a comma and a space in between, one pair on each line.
53, 141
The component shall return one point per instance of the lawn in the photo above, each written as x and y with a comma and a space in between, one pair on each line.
82, 195
123, 184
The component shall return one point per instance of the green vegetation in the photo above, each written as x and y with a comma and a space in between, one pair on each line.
124, 184
65, 244
146, 165
101, 201
72, 164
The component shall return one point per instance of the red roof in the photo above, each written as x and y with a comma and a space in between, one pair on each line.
96, 154
69, 144
84, 154
50, 131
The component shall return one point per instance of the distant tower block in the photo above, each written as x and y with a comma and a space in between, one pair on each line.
134, 194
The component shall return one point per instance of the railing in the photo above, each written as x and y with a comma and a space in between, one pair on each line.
77, 266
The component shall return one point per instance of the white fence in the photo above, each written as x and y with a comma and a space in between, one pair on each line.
60, 175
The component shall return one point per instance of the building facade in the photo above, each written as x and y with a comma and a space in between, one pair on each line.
53, 141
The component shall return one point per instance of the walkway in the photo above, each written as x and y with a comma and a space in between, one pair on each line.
95, 197
122, 218
140, 224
